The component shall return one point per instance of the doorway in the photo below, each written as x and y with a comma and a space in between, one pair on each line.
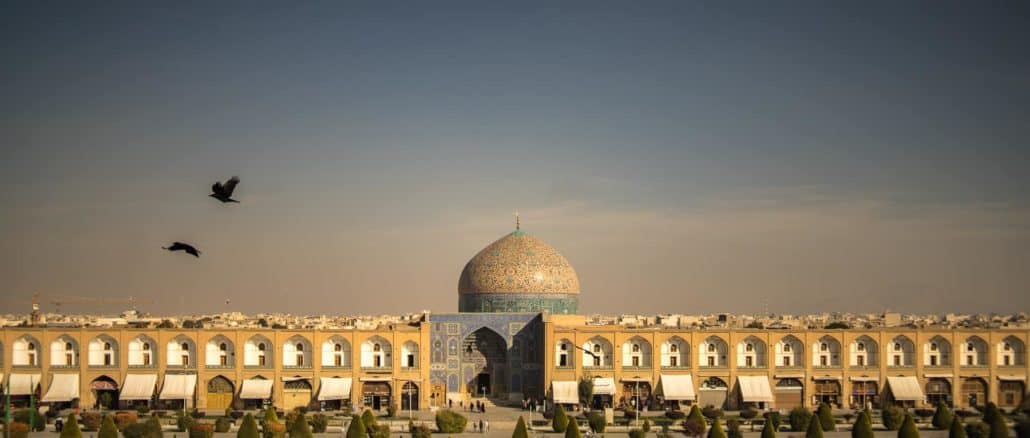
482, 384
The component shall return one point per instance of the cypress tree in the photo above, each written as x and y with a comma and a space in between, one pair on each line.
908, 428
863, 427
815, 429
71, 428
356, 428
825, 415
520, 429
956, 430
107, 428
369, 420
248, 429
991, 413
942, 417
572, 430
300, 428
768, 431
999, 429
716, 430
560, 421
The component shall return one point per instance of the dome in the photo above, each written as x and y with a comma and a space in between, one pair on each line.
518, 263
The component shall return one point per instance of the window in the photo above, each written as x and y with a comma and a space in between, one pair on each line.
1007, 361
749, 362
861, 346
411, 361
636, 361
1006, 347
597, 348
185, 347
897, 346
636, 348
786, 348
786, 361
933, 346
300, 347
185, 360
711, 348
860, 361
749, 347
338, 348
338, 361
897, 360
376, 347
223, 347
597, 361
672, 361
822, 361
823, 347
223, 361
933, 361
300, 359
969, 347
711, 361
378, 360
969, 359
261, 361
674, 348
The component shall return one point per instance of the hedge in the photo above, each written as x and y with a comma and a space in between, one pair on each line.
825, 416
107, 428
356, 428
716, 430
560, 422
768, 431
520, 429
71, 428
799, 418
908, 428
248, 429
942, 417
448, 421
956, 430
815, 429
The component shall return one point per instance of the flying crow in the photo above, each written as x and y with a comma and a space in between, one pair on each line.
179, 246
223, 192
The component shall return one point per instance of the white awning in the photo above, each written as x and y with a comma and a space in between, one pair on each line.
334, 388
603, 386
565, 392
789, 376
374, 379
1011, 377
635, 379
256, 389
138, 387
941, 375
295, 378
755, 388
23, 384
864, 379
63, 388
178, 386
905, 388
825, 377
677, 387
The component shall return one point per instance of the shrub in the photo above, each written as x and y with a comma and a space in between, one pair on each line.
274, 430
300, 428
646, 427
694, 427
521, 431
716, 430
369, 419
695, 413
381, 431
991, 413
560, 421
423, 431
71, 428
107, 428
923, 413
775, 418
136, 430
863, 427
222, 425
125, 418
1023, 427
799, 418
248, 429
733, 428
825, 415
892, 417
815, 429
748, 413
597, 422
769, 430
448, 421
17, 430
91, 421
956, 430
636, 433
319, 423
270, 417
572, 430
356, 428
711, 412
391, 410
942, 417
201, 430
675, 415
142, 409
978, 430
183, 422
25, 415
999, 429
908, 428
236, 415
154, 427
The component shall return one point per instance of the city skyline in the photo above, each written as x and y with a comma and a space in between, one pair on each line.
805, 158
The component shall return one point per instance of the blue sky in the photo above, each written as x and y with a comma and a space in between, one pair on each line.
800, 153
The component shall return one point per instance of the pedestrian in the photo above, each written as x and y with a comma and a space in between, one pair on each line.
481, 426
486, 424
450, 404
483, 409
475, 427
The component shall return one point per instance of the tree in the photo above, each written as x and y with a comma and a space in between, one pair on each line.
71, 428
826, 417
733, 428
956, 430
716, 430
300, 428
769, 430
572, 430
586, 390
908, 428
815, 429
597, 422
893, 416
837, 325
990, 413
356, 428
999, 429
646, 427
369, 419
695, 424
942, 417
863, 427
560, 421
520, 429
107, 428
248, 429
448, 421
799, 418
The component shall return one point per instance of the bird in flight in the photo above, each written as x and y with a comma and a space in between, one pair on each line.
223, 192
179, 246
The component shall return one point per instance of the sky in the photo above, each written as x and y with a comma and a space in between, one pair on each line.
693, 157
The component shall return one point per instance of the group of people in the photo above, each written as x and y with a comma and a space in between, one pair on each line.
481, 426
473, 406
529, 404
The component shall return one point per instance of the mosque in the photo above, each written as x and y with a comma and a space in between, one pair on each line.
517, 335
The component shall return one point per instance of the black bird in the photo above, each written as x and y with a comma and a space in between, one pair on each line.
223, 192
179, 246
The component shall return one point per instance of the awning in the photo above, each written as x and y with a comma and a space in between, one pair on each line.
138, 387
754, 389
602, 386
334, 388
864, 379
635, 379
1011, 377
789, 376
178, 386
677, 387
905, 388
939, 375
295, 378
259, 389
374, 379
23, 384
565, 392
825, 377
63, 388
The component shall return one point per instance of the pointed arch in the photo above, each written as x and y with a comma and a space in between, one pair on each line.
790, 352
1011, 352
901, 351
26, 350
409, 355
564, 353
751, 352
826, 352
336, 352
220, 352
713, 352
182, 352
258, 352
64, 352
103, 351
636, 353
597, 353
297, 352
376, 352
864, 352
937, 352
974, 352
143, 352
675, 353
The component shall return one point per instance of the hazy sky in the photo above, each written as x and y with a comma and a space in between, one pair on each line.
684, 156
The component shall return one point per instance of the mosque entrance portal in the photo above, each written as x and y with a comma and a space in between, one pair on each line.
484, 359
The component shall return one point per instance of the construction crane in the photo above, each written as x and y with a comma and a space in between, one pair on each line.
131, 301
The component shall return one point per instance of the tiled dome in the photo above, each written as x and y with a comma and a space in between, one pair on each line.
518, 264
